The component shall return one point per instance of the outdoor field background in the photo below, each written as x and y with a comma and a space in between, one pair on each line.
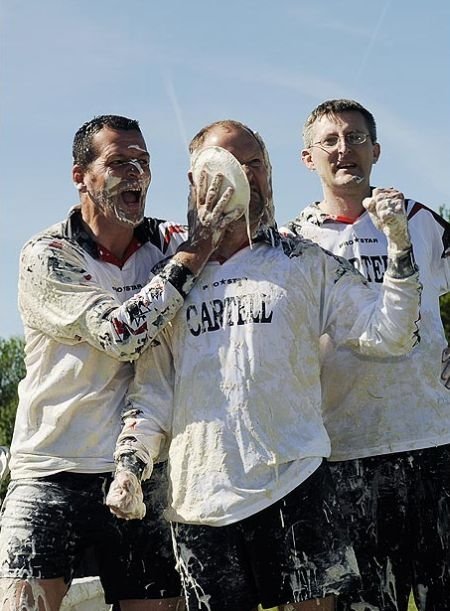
178, 65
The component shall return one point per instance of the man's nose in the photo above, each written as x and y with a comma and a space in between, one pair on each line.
342, 145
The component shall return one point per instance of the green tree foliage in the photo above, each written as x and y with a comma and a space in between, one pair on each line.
445, 314
12, 370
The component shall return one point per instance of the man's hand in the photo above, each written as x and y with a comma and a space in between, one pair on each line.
387, 211
125, 498
208, 220
208, 217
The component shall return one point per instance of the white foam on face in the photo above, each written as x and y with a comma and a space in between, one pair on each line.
214, 160
111, 184
111, 198
137, 147
136, 163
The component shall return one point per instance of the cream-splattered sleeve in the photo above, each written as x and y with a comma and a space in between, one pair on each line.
373, 322
60, 297
147, 419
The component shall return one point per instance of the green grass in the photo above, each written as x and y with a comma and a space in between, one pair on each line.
411, 606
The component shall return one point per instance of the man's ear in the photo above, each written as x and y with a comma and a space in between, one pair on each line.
78, 178
376, 152
307, 159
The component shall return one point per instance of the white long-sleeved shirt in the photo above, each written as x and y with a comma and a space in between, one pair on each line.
234, 380
86, 317
374, 407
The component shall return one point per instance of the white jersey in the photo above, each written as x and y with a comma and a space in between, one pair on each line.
239, 366
374, 407
80, 341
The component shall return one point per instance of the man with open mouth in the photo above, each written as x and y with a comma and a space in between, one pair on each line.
90, 305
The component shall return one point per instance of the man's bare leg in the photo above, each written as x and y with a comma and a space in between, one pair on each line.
32, 594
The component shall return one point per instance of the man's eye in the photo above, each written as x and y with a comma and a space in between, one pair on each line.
356, 138
330, 141
253, 163
117, 163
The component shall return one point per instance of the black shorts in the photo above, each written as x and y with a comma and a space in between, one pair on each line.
294, 550
48, 523
398, 511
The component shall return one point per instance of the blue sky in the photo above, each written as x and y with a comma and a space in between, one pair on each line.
178, 65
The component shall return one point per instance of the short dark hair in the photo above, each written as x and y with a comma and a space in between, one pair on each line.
83, 152
332, 107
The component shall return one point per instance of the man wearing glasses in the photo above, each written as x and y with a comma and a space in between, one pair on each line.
234, 384
389, 421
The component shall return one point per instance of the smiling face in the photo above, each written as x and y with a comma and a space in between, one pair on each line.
117, 180
344, 168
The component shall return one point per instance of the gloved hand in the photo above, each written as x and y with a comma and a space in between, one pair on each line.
387, 211
125, 498
208, 211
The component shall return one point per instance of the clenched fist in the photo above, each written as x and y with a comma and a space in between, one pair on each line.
125, 498
387, 211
